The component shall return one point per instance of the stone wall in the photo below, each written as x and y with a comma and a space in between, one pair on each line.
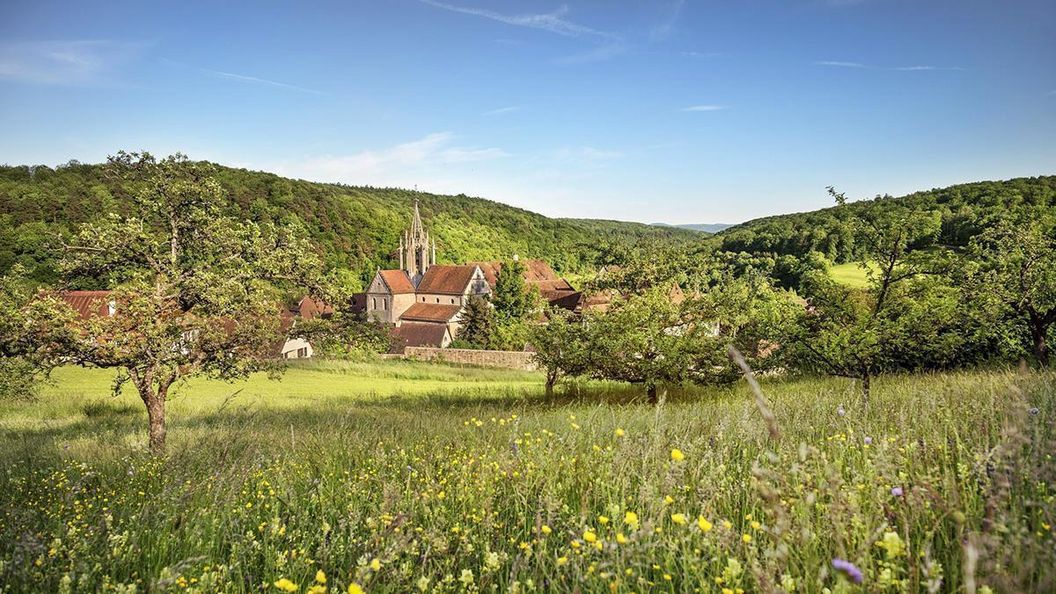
506, 359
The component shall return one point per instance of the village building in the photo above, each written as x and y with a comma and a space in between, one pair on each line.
423, 301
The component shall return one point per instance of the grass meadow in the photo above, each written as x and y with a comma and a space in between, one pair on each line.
850, 273
404, 477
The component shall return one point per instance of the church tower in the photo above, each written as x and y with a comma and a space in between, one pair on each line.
416, 252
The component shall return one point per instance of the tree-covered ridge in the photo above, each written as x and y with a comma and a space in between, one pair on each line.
355, 228
960, 213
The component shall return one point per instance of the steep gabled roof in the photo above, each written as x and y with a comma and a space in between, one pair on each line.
396, 281
536, 272
447, 279
310, 308
431, 312
418, 334
89, 304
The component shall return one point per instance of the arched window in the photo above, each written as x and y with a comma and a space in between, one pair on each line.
373, 303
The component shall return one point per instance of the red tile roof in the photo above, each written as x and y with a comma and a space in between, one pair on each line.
88, 304
397, 281
431, 312
418, 334
309, 309
446, 279
536, 272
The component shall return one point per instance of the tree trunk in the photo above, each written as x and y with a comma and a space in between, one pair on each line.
866, 380
1041, 344
154, 399
651, 392
551, 379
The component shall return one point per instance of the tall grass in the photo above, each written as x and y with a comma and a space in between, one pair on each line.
943, 484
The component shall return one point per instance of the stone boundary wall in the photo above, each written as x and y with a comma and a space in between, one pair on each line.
522, 360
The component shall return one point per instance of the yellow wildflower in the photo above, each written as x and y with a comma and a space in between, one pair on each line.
703, 524
320, 577
355, 588
375, 564
590, 536
631, 519
286, 585
746, 537
620, 433
603, 520
546, 529
677, 455
561, 561
678, 519
620, 538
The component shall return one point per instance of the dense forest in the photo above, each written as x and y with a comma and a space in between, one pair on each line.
959, 213
356, 228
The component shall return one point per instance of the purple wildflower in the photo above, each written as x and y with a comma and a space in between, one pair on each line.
868, 440
840, 410
897, 491
847, 568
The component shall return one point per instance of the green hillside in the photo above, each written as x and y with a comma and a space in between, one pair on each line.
356, 228
962, 212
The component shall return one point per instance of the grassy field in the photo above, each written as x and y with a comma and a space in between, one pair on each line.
400, 477
850, 274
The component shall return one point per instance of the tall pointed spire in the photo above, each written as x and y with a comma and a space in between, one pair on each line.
417, 229
415, 248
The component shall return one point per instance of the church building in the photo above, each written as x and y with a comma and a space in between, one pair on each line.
423, 300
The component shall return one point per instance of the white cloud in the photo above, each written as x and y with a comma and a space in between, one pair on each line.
918, 68
663, 31
709, 107
502, 110
554, 22
259, 81
839, 64
86, 62
399, 165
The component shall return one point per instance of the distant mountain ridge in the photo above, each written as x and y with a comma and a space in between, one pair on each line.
701, 227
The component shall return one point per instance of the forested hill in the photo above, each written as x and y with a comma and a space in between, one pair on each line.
961, 212
356, 228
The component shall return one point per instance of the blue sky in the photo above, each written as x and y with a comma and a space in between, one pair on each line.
691, 111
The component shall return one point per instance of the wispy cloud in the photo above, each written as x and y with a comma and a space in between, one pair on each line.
396, 165
501, 110
916, 68
83, 62
666, 27
707, 107
554, 22
259, 81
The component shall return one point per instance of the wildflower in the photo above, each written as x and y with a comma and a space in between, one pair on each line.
756, 525
727, 524
704, 525
603, 520
847, 568
892, 544
678, 519
868, 440
491, 560
746, 538
631, 519
375, 564
546, 529
620, 538
466, 577
423, 584
620, 433
562, 561
840, 410
590, 536
668, 500
320, 577
897, 491
788, 583
677, 455
355, 588
286, 585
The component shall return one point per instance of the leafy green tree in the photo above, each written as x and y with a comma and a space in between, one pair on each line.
513, 298
562, 347
196, 289
478, 323
858, 334
33, 326
1012, 267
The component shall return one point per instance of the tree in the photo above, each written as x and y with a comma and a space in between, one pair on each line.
561, 347
513, 298
478, 323
33, 325
1012, 264
857, 334
196, 290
